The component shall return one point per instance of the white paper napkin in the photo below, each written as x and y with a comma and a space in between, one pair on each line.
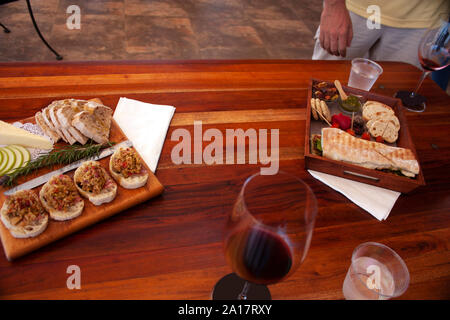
146, 125
375, 200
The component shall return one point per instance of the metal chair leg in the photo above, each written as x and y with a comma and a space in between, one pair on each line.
5, 29
58, 56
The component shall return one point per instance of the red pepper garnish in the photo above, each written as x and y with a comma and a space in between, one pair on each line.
335, 125
379, 139
365, 136
344, 121
350, 131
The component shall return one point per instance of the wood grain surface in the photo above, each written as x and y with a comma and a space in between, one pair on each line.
125, 198
171, 247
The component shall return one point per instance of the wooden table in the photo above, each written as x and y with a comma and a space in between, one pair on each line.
171, 246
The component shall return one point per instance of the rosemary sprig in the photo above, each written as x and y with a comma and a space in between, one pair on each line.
58, 156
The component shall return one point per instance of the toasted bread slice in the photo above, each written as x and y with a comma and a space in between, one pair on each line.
45, 128
24, 224
69, 206
132, 181
94, 122
84, 180
65, 116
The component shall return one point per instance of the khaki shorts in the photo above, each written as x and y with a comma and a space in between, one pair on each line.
384, 44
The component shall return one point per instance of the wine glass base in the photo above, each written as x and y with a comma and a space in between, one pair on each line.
415, 103
230, 286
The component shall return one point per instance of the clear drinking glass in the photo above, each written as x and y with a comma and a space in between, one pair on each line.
376, 273
364, 73
267, 235
434, 54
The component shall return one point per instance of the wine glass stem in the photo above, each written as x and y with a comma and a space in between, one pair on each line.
243, 294
424, 75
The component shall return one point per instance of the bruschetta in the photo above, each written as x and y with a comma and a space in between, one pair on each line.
60, 198
126, 168
94, 183
23, 214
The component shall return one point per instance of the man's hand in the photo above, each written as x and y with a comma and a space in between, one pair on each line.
336, 31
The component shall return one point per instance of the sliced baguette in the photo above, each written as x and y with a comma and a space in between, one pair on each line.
132, 182
45, 128
48, 121
60, 215
29, 230
107, 194
65, 116
65, 134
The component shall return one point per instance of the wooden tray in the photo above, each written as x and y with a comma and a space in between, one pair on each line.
125, 199
370, 176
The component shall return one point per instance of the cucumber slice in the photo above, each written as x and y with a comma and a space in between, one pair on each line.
11, 160
18, 158
26, 156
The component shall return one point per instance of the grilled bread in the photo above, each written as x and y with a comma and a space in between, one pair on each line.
126, 168
24, 215
94, 183
339, 145
60, 198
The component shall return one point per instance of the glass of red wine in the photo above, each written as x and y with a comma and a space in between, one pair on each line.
434, 54
267, 235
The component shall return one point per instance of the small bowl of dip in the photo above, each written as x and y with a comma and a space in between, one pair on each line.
349, 105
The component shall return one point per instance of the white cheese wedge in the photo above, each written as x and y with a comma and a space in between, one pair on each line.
13, 135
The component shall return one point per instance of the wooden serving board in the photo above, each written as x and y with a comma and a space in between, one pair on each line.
353, 172
91, 214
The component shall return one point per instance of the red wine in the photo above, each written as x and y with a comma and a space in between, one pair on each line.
430, 65
258, 255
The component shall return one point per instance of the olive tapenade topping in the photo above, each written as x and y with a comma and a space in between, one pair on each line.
127, 162
61, 193
92, 179
24, 209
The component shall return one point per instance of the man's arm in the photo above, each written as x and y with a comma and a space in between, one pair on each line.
336, 31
